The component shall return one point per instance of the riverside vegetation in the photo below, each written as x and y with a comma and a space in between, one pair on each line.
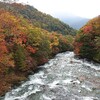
24, 45
87, 42
29, 38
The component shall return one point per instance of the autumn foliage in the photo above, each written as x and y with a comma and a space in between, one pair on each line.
38, 18
87, 42
23, 47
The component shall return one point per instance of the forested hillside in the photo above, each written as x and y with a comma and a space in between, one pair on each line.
87, 43
29, 38
38, 18
23, 46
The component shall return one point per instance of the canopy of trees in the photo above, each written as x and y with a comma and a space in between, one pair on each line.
38, 18
87, 42
23, 47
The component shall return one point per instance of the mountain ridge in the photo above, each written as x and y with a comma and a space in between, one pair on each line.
75, 22
38, 18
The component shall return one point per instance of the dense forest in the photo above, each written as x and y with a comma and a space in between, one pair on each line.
29, 38
87, 42
38, 18
23, 46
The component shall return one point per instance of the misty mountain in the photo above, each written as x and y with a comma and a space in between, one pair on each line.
75, 21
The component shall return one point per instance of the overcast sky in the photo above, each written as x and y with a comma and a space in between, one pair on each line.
56, 8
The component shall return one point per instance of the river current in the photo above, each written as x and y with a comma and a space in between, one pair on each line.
63, 78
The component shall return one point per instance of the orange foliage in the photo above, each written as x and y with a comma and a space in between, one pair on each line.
87, 29
77, 46
31, 49
87, 42
3, 48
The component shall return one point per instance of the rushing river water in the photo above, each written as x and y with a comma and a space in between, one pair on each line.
62, 78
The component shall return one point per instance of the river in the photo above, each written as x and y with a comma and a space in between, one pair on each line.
62, 78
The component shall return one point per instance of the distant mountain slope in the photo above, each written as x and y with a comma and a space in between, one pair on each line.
79, 24
75, 21
38, 18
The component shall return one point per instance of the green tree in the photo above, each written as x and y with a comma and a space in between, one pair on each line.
19, 57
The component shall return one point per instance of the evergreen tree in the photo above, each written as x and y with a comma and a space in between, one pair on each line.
19, 57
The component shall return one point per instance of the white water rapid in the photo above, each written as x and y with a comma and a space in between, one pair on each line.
62, 78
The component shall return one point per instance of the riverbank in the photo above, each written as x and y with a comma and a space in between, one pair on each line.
87, 59
10, 80
63, 77
13, 79
24, 46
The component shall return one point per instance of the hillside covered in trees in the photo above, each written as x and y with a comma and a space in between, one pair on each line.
87, 42
38, 18
23, 46
30, 38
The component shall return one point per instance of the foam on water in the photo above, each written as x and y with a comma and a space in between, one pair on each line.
62, 78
